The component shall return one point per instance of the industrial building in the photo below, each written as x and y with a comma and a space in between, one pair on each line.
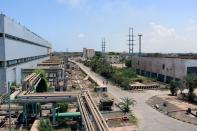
88, 53
113, 59
164, 69
19, 48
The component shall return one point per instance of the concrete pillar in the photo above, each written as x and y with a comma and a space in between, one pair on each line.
53, 115
164, 79
139, 71
3, 35
40, 112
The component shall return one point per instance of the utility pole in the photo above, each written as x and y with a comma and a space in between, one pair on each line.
9, 106
131, 41
67, 50
103, 46
140, 42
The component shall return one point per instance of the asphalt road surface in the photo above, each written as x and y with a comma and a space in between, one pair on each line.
149, 118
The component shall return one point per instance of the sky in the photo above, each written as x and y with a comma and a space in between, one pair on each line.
168, 26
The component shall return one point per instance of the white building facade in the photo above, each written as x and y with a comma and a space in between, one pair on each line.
164, 69
19, 48
113, 59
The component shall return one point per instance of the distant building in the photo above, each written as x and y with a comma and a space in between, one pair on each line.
113, 59
88, 53
19, 48
164, 69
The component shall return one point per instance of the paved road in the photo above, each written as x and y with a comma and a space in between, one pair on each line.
149, 119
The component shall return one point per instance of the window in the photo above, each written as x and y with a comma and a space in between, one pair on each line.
163, 66
191, 70
11, 62
22, 60
1, 34
1, 63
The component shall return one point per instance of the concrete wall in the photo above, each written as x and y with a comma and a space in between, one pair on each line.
172, 67
16, 49
191, 63
2, 49
113, 59
2, 80
13, 28
1, 23
13, 74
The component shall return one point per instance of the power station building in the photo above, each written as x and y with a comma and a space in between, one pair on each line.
88, 53
164, 69
19, 48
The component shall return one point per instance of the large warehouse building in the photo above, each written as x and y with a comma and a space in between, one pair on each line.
164, 69
19, 48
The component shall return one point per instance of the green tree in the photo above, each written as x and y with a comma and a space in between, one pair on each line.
43, 83
105, 70
63, 106
182, 86
45, 125
100, 66
125, 83
42, 73
174, 87
191, 84
94, 63
128, 63
125, 104
98, 54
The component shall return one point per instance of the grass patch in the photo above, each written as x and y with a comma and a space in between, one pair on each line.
125, 72
63, 129
133, 120
20, 130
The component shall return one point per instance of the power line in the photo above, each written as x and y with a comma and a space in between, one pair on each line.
140, 43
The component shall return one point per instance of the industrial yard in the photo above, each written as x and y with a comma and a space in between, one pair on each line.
105, 65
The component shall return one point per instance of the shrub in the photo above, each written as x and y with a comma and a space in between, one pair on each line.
191, 82
44, 125
191, 97
174, 87
63, 106
128, 63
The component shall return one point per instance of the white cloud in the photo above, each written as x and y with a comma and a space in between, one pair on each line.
162, 31
81, 35
167, 39
72, 3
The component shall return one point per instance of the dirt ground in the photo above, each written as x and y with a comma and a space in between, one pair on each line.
116, 123
174, 108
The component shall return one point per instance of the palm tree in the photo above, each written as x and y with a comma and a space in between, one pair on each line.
125, 104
